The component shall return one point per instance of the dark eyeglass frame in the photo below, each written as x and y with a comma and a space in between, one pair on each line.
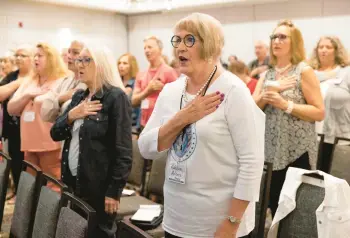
281, 37
84, 61
174, 42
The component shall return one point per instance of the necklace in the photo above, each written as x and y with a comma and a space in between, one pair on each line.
282, 70
205, 86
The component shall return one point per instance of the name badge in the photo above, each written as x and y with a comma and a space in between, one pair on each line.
177, 173
29, 116
145, 104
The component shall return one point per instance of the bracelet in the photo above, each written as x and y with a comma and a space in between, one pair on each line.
290, 107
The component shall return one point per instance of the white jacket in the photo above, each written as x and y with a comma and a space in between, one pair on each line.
333, 215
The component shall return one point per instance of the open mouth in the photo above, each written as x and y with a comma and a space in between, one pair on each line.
182, 59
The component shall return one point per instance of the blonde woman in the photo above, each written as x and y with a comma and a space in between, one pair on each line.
36, 143
331, 64
214, 161
128, 69
291, 98
7, 65
96, 127
11, 124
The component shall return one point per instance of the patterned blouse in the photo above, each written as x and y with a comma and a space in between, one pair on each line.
288, 137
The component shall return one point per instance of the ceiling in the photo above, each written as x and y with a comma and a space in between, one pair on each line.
129, 7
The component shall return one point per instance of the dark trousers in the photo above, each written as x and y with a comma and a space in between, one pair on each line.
106, 223
324, 163
17, 156
278, 177
168, 235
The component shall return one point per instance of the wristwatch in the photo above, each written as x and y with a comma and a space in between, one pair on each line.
233, 220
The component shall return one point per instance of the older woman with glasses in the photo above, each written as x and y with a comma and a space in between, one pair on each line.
212, 132
96, 127
291, 98
11, 124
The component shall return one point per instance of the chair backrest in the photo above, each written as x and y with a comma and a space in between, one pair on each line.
157, 176
262, 205
47, 211
302, 221
137, 175
5, 165
26, 201
73, 224
336, 141
126, 229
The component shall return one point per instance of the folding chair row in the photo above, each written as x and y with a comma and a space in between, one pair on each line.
41, 212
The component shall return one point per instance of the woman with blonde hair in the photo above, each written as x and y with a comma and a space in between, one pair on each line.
40, 150
11, 124
128, 69
7, 64
96, 128
214, 161
331, 64
291, 98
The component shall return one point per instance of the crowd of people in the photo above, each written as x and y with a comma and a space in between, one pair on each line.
75, 113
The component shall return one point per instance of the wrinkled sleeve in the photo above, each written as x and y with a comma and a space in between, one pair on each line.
122, 156
61, 130
50, 107
247, 127
148, 141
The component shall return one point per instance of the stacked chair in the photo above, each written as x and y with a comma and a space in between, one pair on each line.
41, 212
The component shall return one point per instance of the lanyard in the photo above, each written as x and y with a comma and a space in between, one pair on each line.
203, 93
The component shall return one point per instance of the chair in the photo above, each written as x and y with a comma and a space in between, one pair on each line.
130, 205
137, 177
48, 208
336, 141
72, 224
128, 230
262, 205
26, 201
5, 165
302, 221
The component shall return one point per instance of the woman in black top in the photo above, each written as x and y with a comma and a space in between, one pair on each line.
11, 125
96, 127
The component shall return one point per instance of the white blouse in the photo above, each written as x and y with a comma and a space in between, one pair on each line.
222, 154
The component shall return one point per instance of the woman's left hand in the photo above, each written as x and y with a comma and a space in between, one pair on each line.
111, 205
275, 99
226, 230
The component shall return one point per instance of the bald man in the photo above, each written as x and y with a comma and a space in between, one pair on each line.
58, 100
261, 64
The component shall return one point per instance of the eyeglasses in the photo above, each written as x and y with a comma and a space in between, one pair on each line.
21, 56
84, 61
281, 37
188, 40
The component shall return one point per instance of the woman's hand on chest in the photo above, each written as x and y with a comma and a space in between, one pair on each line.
84, 109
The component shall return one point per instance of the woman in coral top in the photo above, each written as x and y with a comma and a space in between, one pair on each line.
36, 142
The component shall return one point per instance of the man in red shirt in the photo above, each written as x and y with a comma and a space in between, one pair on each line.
150, 83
